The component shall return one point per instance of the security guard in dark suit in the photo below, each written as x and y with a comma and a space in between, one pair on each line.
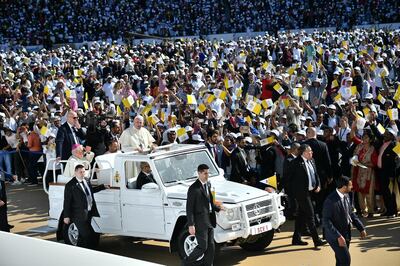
200, 210
80, 205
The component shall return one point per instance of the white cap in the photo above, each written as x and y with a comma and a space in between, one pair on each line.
188, 128
332, 106
369, 96
197, 137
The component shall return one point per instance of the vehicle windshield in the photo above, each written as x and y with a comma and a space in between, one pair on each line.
183, 167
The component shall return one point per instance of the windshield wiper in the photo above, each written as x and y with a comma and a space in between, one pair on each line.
190, 178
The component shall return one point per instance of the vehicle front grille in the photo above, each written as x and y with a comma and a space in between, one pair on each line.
258, 208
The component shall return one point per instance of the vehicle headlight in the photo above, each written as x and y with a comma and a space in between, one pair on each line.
230, 216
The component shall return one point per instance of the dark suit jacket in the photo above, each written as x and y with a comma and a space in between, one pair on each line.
286, 178
3, 209
334, 218
65, 140
239, 167
220, 150
322, 158
389, 156
299, 178
198, 207
144, 179
75, 203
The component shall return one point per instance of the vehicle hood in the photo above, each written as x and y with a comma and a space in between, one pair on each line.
226, 191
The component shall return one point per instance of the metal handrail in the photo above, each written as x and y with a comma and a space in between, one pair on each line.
56, 162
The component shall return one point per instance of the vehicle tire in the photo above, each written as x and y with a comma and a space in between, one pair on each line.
71, 234
257, 242
186, 244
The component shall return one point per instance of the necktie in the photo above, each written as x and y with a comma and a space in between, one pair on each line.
312, 173
347, 209
205, 189
88, 195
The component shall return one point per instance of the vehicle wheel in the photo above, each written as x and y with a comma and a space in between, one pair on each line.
257, 242
71, 234
186, 243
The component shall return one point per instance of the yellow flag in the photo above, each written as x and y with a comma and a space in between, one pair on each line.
254, 107
154, 119
162, 116
278, 88
291, 71
248, 119
372, 67
267, 103
366, 111
383, 73
220, 94
146, 109
393, 114
86, 96
286, 103
85, 104
265, 65
210, 98
202, 108
377, 49
128, 101
238, 93
341, 56
320, 50
46, 90
182, 135
310, 67
338, 97
396, 149
272, 181
119, 112
353, 90
396, 96
381, 99
381, 129
267, 141
344, 44
298, 92
335, 84
226, 82
231, 68
191, 99
215, 64
68, 93
43, 130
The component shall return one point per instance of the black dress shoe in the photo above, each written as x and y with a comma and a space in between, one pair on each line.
299, 243
319, 243
306, 233
10, 226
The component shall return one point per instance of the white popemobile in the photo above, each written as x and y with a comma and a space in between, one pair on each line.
158, 210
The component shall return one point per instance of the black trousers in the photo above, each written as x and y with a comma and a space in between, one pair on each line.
388, 198
86, 233
206, 246
3, 219
342, 254
305, 216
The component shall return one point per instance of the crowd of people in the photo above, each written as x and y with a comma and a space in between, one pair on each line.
253, 102
36, 22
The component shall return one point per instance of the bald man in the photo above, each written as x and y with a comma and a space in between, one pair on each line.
68, 134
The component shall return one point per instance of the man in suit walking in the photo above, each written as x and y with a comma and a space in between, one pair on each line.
68, 134
338, 216
200, 210
323, 166
80, 205
305, 182
4, 226
240, 167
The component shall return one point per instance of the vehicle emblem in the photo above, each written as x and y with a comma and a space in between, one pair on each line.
257, 209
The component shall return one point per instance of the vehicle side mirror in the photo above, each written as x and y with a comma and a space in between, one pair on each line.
150, 187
